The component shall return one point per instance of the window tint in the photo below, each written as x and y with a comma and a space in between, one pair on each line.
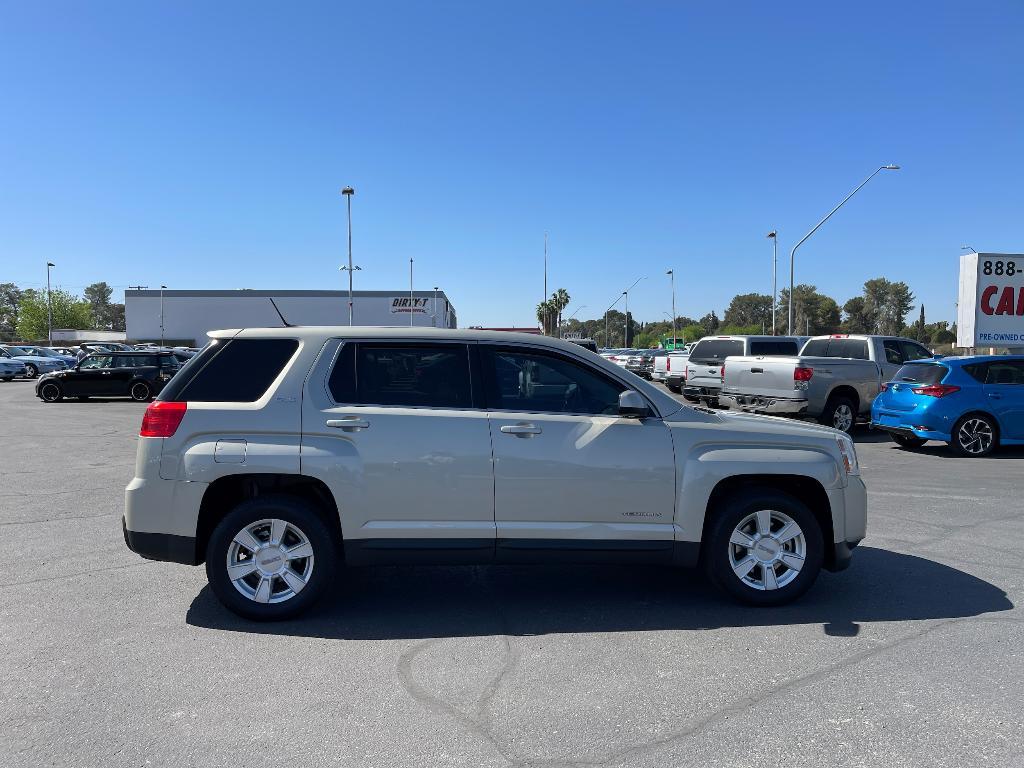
711, 351
1010, 372
815, 348
523, 380
412, 375
773, 348
892, 352
912, 351
923, 373
135, 361
856, 349
97, 361
236, 371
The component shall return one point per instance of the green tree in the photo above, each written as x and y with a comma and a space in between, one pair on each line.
813, 312
750, 309
886, 305
693, 333
856, 320
98, 296
709, 323
69, 311
10, 298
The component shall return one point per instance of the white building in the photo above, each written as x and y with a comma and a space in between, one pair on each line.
187, 316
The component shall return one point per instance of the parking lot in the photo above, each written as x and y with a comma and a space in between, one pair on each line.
912, 656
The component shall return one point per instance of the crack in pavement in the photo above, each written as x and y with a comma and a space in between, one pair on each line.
81, 573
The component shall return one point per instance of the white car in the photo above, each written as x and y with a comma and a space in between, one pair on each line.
277, 456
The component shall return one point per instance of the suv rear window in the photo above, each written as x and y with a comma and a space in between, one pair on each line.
773, 348
921, 373
233, 371
711, 351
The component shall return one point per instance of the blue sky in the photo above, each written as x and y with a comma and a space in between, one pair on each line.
203, 145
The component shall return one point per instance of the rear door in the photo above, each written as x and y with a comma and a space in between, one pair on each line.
569, 472
403, 443
1004, 390
125, 368
93, 375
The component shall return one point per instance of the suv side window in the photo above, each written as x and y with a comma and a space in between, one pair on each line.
522, 379
912, 351
892, 352
1010, 372
402, 375
97, 361
236, 371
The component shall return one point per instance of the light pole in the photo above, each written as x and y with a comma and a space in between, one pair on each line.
410, 292
970, 248
49, 306
347, 192
774, 237
672, 277
162, 288
792, 253
625, 325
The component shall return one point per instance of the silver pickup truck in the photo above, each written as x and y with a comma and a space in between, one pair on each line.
834, 379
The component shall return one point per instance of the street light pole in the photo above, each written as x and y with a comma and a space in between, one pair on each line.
162, 287
625, 326
774, 237
348, 192
792, 253
672, 276
49, 306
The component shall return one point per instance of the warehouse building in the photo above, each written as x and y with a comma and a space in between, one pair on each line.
185, 317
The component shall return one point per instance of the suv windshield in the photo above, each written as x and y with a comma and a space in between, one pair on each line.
711, 351
921, 373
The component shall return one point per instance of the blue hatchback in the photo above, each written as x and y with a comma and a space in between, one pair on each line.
973, 403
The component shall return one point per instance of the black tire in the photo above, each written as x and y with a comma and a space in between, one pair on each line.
907, 441
959, 443
51, 392
717, 549
140, 391
8, 378
840, 413
294, 511
31, 371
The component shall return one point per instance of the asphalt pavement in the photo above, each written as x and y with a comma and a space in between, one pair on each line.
911, 657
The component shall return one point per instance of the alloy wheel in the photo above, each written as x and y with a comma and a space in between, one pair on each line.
975, 436
31, 371
767, 549
270, 561
842, 418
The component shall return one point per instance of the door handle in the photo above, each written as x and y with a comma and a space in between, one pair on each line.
349, 423
757, 370
521, 430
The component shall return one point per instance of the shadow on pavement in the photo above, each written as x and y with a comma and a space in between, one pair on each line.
430, 602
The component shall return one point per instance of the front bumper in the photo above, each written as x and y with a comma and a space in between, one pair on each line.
779, 406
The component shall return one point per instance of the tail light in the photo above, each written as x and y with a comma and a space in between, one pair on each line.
802, 374
935, 390
721, 372
668, 364
161, 419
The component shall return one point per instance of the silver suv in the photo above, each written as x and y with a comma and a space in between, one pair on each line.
276, 456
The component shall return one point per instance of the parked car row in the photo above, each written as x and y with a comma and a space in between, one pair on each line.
140, 375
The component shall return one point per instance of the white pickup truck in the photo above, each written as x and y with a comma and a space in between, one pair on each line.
834, 379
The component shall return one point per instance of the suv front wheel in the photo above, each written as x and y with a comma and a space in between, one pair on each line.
764, 547
270, 558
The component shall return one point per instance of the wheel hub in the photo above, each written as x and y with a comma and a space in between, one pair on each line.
766, 550
270, 560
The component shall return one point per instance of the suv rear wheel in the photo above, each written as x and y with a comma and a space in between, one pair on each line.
764, 547
270, 558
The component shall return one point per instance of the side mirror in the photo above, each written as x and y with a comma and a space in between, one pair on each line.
632, 405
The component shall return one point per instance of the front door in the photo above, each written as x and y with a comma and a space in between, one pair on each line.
569, 472
1004, 391
92, 376
403, 443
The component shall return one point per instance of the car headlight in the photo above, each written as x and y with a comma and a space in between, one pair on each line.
849, 453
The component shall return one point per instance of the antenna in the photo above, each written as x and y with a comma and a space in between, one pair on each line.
284, 322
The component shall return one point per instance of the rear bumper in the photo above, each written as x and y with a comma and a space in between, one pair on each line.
161, 546
780, 406
702, 393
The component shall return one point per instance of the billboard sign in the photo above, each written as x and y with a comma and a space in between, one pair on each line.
990, 312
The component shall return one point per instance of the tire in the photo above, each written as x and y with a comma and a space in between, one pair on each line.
840, 413
31, 371
51, 392
742, 516
980, 425
8, 378
268, 593
140, 391
907, 441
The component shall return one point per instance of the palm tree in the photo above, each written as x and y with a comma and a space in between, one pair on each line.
559, 301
